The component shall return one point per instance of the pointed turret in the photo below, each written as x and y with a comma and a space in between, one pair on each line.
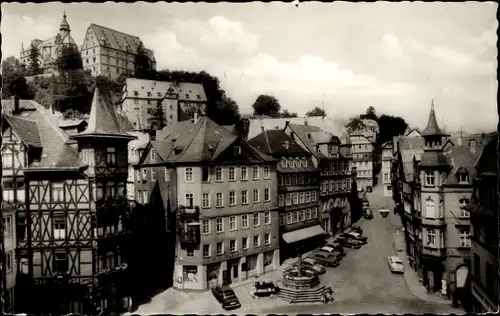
432, 128
64, 24
103, 122
22, 47
434, 139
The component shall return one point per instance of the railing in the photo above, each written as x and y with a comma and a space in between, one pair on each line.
189, 212
483, 298
434, 252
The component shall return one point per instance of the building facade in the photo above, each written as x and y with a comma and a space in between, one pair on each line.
179, 101
387, 158
111, 53
49, 50
333, 159
222, 193
484, 281
10, 242
363, 154
298, 193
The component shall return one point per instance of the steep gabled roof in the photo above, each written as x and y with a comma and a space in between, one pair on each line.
432, 128
273, 143
462, 161
303, 132
487, 163
103, 121
26, 129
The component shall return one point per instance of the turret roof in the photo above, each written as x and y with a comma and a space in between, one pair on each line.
432, 128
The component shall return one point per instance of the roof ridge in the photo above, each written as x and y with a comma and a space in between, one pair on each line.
45, 113
267, 141
105, 27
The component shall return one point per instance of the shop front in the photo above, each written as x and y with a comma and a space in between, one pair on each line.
300, 241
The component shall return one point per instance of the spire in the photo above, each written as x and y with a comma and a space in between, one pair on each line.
22, 46
103, 121
432, 128
64, 24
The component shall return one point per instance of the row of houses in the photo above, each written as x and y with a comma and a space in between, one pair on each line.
104, 51
441, 186
99, 213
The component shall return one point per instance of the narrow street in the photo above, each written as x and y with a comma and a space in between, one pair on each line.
363, 282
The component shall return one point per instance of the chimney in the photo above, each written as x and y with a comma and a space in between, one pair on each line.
15, 103
287, 123
472, 144
262, 129
305, 122
195, 119
459, 139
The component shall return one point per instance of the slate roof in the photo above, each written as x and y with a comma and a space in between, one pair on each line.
302, 131
26, 129
103, 121
272, 142
230, 128
432, 128
118, 40
487, 163
203, 140
186, 91
462, 160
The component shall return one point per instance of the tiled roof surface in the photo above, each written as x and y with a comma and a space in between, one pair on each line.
26, 129
186, 91
336, 127
432, 125
103, 120
230, 128
272, 142
118, 40
488, 161
302, 132
433, 159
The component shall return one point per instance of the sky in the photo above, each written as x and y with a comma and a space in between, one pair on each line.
342, 56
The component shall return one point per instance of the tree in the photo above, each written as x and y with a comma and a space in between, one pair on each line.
370, 114
34, 67
69, 59
142, 64
14, 81
317, 111
266, 105
285, 114
230, 109
158, 116
355, 123
390, 126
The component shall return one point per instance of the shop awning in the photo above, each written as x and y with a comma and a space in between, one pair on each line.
303, 233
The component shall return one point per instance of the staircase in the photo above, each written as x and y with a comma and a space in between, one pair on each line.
303, 296
243, 296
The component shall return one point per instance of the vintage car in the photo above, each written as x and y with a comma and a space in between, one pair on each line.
226, 297
395, 264
313, 264
357, 229
356, 236
349, 243
325, 259
335, 245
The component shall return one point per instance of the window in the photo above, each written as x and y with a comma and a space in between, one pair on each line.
219, 199
144, 174
153, 174
267, 173
255, 172
430, 208
281, 200
431, 237
256, 219
110, 190
313, 179
244, 243
282, 219
295, 216
205, 224
219, 225
111, 156
57, 191
314, 197
59, 223
189, 199
287, 180
464, 237
308, 197
289, 218
244, 173
315, 212
232, 175
281, 181
267, 217
288, 199
232, 245
294, 179
8, 262
256, 241
429, 178
244, 221
218, 174
232, 198
256, 196
205, 174
308, 214
145, 196
8, 195
188, 176
302, 197
167, 175
7, 158
301, 216
220, 248
61, 262
463, 203
267, 239
206, 251
153, 155
190, 253
244, 197
267, 196
295, 198
7, 226
232, 223
205, 200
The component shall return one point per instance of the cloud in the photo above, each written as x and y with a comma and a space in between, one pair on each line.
224, 32
393, 46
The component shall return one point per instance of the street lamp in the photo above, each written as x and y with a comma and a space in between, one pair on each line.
384, 212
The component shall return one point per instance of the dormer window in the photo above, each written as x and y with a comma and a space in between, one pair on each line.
284, 162
463, 177
136, 93
237, 150
305, 162
463, 203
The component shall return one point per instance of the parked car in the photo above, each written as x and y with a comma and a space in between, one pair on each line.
325, 259
357, 229
356, 236
395, 264
226, 297
349, 243
336, 246
368, 214
313, 264
264, 288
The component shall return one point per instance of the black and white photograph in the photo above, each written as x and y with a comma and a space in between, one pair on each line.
249, 158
